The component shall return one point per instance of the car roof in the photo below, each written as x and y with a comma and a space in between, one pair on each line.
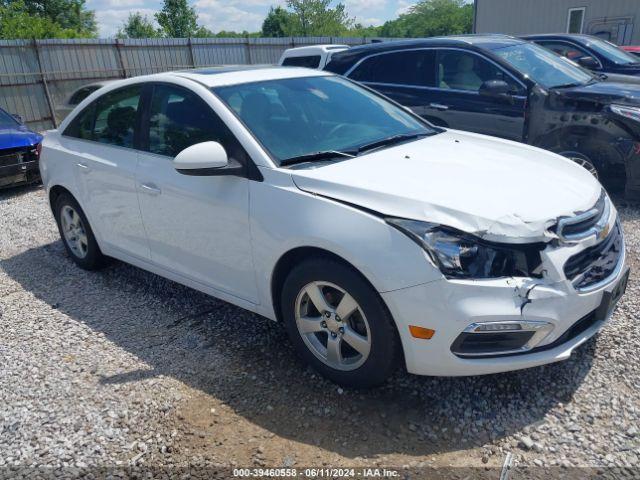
233, 75
484, 41
559, 36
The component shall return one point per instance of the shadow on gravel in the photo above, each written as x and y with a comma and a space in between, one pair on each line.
245, 361
7, 193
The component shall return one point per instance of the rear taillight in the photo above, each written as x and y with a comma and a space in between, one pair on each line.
38, 150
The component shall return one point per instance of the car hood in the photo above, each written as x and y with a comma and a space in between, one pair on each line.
626, 70
619, 78
495, 189
18, 137
627, 93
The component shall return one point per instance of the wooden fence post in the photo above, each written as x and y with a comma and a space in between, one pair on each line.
43, 76
248, 50
191, 55
123, 68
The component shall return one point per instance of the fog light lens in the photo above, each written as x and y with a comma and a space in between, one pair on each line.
500, 338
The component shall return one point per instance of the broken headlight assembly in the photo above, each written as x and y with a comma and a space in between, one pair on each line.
632, 113
461, 255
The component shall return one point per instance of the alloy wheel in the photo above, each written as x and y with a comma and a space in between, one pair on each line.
332, 325
74, 231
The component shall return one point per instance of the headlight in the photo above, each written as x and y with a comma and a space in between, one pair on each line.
632, 113
460, 255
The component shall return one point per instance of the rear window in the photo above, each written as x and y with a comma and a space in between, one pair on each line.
311, 61
414, 67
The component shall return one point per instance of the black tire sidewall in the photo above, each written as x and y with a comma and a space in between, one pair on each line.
385, 345
94, 258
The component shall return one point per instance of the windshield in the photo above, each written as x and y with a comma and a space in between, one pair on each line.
303, 116
7, 120
543, 66
611, 52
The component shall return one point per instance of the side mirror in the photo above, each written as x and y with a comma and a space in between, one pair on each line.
588, 62
498, 89
206, 158
17, 117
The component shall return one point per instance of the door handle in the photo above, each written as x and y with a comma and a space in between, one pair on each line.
84, 168
439, 106
150, 189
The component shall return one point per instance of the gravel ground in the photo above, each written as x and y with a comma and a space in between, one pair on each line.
121, 368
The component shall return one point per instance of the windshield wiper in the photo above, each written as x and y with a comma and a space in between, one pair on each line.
390, 141
569, 85
310, 157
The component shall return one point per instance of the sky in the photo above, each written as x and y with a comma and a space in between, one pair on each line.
237, 15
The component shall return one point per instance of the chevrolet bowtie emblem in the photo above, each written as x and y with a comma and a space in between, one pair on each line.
602, 234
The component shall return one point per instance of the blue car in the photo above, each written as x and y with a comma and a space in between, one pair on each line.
19, 152
590, 52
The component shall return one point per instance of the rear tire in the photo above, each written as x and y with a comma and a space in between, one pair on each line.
76, 233
361, 348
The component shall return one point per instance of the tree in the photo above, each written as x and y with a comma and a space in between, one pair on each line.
17, 22
138, 26
315, 18
70, 15
428, 18
359, 30
177, 19
203, 32
278, 23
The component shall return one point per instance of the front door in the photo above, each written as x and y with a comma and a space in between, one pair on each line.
459, 105
197, 226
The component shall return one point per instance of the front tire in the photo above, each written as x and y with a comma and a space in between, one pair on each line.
582, 160
339, 324
76, 233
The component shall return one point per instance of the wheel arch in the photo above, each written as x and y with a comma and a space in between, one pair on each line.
293, 257
557, 140
55, 192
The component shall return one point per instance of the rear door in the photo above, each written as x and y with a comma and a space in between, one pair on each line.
406, 76
459, 75
101, 140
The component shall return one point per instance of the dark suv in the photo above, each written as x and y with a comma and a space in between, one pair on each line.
507, 87
590, 52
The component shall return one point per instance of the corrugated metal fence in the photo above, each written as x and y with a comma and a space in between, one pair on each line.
38, 75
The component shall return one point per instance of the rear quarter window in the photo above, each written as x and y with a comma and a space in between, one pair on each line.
311, 61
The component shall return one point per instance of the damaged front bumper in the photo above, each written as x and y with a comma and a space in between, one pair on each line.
497, 325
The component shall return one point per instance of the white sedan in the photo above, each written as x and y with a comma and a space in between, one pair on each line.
375, 237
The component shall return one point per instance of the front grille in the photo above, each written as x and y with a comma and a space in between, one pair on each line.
596, 263
585, 224
16, 156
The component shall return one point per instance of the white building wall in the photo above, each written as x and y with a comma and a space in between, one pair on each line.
615, 20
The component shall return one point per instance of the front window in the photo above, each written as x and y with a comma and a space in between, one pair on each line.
611, 52
302, 116
543, 66
7, 121
464, 71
